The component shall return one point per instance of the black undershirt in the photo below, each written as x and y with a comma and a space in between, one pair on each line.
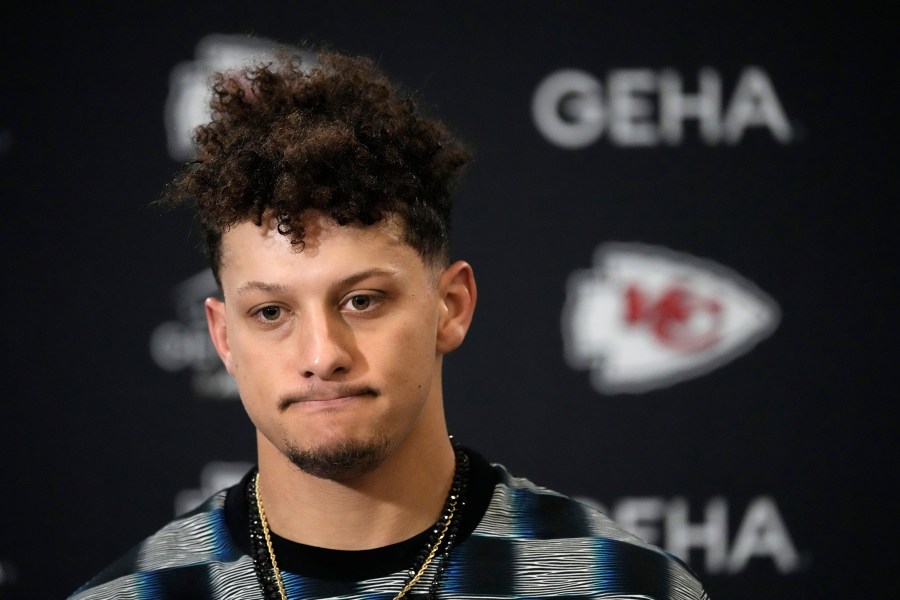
358, 565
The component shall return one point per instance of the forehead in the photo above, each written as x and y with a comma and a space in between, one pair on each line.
262, 252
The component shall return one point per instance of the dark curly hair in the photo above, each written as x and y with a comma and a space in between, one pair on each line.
338, 136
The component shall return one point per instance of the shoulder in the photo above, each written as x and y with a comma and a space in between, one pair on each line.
575, 547
525, 509
179, 556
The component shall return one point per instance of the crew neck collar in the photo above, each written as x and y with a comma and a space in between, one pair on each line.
359, 565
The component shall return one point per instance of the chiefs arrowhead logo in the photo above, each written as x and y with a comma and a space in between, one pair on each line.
646, 317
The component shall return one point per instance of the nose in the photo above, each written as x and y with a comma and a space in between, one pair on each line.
325, 346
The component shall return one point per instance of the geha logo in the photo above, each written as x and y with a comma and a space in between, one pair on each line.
646, 317
185, 343
641, 107
187, 105
760, 535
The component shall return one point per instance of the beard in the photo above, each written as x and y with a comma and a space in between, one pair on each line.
340, 462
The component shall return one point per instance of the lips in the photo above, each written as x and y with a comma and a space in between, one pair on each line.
324, 396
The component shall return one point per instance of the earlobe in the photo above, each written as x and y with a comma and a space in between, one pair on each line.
458, 294
215, 321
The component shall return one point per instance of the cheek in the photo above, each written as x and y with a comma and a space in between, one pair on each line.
412, 350
252, 368
397, 345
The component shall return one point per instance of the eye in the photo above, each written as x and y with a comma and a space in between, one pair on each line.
269, 313
360, 302
365, 303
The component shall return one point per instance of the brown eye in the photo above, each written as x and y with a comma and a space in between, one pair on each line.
360, 302
270, 313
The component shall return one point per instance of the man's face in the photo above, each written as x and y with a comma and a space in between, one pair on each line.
337, 348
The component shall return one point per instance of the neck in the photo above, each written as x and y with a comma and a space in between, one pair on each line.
398, 499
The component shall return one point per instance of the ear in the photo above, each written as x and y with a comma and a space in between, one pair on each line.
215, 321
456, 287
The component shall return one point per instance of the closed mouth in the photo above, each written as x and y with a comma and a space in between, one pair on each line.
318, 397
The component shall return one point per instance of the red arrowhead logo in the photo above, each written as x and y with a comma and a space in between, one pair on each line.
646, 317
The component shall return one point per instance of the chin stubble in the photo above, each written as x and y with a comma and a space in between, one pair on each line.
340, 462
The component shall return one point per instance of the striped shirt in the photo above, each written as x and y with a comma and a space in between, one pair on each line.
515, 540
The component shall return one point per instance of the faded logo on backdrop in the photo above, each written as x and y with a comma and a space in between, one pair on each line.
646, 317
183, 343
187, 105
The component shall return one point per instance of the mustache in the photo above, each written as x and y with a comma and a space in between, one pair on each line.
327, 393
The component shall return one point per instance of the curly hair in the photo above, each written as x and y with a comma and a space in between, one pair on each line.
339, 137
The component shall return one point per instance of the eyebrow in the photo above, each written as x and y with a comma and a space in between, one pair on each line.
262, 286
357, 277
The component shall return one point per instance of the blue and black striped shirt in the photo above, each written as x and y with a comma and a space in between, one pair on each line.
515, 540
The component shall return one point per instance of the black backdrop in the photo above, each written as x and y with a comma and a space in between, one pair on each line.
766, 463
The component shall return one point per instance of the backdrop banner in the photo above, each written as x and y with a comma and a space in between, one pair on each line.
679, 224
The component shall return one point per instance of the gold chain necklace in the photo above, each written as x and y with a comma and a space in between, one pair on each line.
447, 518
265, 528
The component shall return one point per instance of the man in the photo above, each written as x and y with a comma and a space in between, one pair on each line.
324, 198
